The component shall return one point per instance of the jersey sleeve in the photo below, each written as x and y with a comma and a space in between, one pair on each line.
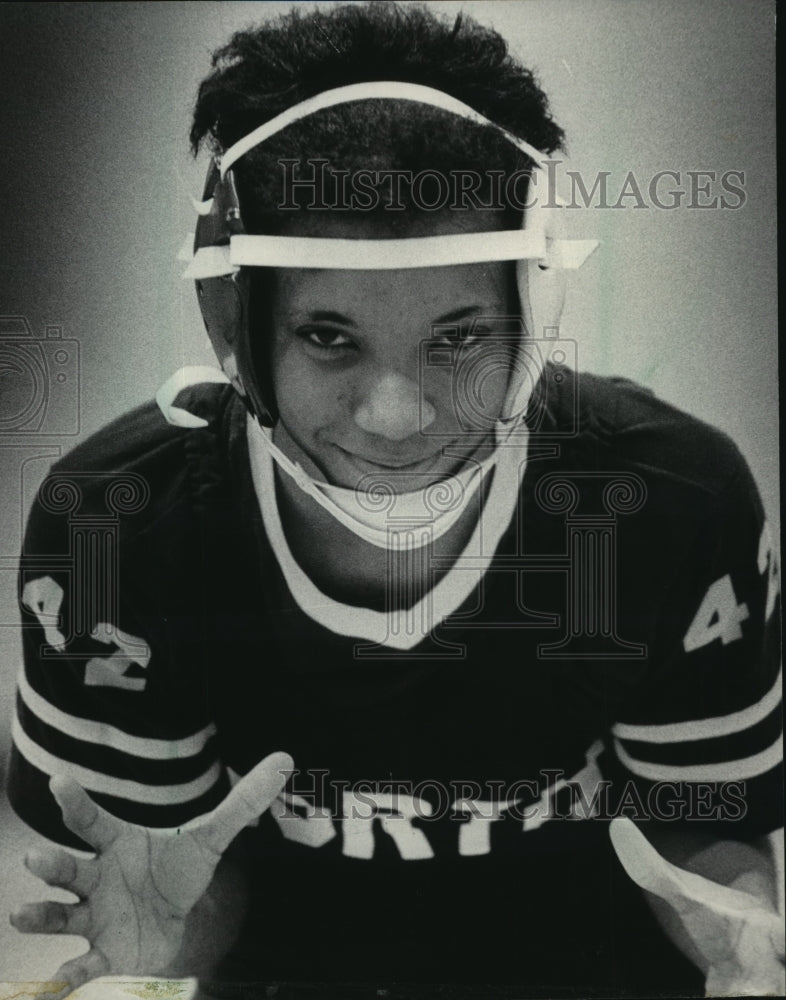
702, 739
102, 695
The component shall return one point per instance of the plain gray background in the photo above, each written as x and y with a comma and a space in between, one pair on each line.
95, 204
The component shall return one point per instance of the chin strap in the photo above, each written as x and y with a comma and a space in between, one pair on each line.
423, 515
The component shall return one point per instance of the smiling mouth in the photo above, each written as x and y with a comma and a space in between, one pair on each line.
388, 466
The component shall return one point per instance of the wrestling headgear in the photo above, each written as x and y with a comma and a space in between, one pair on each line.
222, 248
223, 252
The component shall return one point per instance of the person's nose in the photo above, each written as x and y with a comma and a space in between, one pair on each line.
392, 408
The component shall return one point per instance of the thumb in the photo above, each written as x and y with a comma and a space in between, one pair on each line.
682, 889
247, 801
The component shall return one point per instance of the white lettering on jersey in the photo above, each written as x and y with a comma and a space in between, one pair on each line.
110, 671
768, 564
542, 810
589, 784
475, 835
718, 617
44, 598
300, 822
303, 822
395, 815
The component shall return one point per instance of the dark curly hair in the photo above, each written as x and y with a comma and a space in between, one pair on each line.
264, 70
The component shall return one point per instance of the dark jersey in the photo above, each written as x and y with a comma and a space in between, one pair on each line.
615, 654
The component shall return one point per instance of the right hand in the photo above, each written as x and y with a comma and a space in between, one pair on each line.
734, 937
135, 895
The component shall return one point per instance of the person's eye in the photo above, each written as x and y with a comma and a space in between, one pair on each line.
495, 330
324, 339
459, 338
476, 333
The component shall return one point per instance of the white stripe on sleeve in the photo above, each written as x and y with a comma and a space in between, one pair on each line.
729, 770
122, 788
105, 735
703, 729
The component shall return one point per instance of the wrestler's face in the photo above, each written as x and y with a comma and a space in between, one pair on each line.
355, 391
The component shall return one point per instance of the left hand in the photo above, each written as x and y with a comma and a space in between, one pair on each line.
740, 941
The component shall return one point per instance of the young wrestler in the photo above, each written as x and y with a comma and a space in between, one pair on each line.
447, 613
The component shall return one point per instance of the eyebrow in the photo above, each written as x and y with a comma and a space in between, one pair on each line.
458, 314
328, 316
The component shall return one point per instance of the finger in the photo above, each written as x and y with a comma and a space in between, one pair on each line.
51, 918
681, 889
641, 861
82, 816
250, 797
61, 869
76, 973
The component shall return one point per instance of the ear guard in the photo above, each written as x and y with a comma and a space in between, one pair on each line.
223, 252
224, 299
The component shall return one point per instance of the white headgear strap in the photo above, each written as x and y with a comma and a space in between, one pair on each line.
532, 242
422, 515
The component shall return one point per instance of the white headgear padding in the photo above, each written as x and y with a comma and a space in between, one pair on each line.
182, 379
